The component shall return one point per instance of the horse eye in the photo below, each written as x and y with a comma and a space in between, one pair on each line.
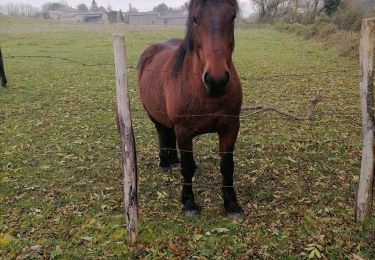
195, 20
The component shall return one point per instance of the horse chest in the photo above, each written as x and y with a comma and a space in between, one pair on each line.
201, 121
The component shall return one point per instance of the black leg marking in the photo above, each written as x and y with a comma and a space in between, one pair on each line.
167, 142
188, 167
227, 142
232, 208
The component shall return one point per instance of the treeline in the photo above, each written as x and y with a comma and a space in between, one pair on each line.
164, 9
19, 9
345, 14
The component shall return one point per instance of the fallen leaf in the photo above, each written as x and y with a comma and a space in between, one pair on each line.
220, 230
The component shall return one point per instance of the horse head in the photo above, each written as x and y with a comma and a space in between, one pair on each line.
211, 29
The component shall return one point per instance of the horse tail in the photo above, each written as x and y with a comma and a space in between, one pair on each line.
1, 61
2, 72
1, 65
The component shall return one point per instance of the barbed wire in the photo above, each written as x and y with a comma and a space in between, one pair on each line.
244, 117
240, 185
352, 68
133, 67
58, 58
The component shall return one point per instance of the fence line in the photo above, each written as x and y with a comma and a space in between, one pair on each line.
247, 115
353, 68
243, 117
58, 58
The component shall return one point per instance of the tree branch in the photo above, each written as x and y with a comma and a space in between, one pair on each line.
309, 114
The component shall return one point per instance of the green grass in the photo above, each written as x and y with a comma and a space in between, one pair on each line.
60, 174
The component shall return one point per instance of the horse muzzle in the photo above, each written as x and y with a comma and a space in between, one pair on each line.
216, 86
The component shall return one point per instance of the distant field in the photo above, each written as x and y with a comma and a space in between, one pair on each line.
60, 175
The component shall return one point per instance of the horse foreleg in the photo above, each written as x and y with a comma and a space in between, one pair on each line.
167, 141
227, 142
188, 167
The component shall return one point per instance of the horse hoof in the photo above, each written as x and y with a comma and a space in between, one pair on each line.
190, 213
236, 215
169, 167
176, 165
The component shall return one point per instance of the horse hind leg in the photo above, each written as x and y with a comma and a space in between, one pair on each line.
168, 151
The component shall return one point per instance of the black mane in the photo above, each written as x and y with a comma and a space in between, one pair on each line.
187, 44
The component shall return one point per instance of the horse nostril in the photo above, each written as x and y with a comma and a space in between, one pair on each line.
216, 86
211, 81
226, 78
207, 78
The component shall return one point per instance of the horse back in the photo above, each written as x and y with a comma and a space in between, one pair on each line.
154, 51
154, 70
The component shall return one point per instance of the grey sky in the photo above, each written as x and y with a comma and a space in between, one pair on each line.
142, 5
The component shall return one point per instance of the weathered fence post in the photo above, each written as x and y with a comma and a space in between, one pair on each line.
129, 164
366, 181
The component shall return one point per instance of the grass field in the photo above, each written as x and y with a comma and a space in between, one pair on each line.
60, 176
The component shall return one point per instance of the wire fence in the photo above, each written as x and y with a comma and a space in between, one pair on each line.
246, 114
353, 68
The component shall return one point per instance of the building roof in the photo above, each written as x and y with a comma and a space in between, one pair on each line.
143, 13
72, 14
81, 14
173, 17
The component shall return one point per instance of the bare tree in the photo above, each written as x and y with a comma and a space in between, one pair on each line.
83, 8
268, 10
20, 10
287, 10
94, 6
132, 9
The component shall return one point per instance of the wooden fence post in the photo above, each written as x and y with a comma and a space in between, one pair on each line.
129, 164
363, 209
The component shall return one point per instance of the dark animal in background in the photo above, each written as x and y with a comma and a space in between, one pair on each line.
2, 72
190, 87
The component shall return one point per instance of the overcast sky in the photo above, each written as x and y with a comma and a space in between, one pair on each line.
141, 5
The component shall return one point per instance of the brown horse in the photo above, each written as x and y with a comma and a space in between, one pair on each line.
2, 72
190, 87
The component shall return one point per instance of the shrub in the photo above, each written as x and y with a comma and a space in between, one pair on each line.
322, 18
348, 18
326, 29
306, 31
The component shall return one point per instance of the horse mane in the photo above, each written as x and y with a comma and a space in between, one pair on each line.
187, 43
